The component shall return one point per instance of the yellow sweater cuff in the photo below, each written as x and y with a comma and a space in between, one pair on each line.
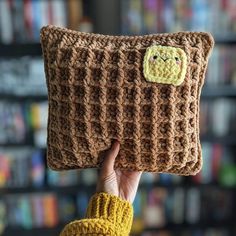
109, 207
106, 214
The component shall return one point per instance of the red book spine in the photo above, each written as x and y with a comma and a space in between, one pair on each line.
216, 160
50, 13
28, 18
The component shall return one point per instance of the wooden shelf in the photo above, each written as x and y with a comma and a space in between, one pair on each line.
20, 49
228, 39
15, 97
210, 92
201, 225
34, 48
91, 188
10, 231
56, 189
17, 145
225, 140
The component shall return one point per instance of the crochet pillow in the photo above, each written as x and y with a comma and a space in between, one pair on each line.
142, 90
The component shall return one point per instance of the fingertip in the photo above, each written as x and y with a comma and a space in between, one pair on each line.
109, 159
115, 145
115, 142
140, 173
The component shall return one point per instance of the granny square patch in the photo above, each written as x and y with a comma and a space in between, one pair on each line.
142, 90
164, 64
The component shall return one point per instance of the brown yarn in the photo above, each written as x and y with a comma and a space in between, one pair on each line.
97, 92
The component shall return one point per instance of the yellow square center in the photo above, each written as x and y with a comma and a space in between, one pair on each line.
165, 64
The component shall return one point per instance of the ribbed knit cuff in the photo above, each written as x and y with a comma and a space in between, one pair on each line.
112, 208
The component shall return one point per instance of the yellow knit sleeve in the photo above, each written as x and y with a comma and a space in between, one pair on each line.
106, 215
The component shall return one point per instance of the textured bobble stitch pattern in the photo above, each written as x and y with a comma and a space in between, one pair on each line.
102, 88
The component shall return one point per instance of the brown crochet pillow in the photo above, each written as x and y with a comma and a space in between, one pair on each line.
142, 90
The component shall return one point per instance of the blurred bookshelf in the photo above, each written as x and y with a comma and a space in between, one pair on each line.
39, 201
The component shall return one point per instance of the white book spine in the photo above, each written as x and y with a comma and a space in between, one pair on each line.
5, 22
59, 13
45, 14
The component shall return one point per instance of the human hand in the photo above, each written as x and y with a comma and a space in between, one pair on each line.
122, 183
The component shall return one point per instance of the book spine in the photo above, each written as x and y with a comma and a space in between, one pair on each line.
44, 13
36, 19
6, 32
50, 210
28, 18
39, 211
25, 209
17, 20
59, 16
216, 161
193, 201
178, 202
50, 12
75, 13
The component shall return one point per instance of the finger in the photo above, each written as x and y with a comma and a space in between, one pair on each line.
137, 175
109, 160
133, 175
134, 178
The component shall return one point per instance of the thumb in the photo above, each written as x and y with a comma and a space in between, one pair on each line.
109, 159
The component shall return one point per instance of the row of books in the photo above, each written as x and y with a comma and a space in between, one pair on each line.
160, 207
22, 76
21, 167
218, 167
152, 16
31, 210
154, 208
20, 21
23, 122
35, 174
217, 117
42, 210
222, 69
12, 125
